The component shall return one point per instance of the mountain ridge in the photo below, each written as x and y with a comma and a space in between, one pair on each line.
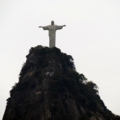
50, 88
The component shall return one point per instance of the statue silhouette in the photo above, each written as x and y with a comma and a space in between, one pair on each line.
52, 32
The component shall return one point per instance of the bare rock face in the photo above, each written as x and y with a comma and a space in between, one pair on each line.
49, 88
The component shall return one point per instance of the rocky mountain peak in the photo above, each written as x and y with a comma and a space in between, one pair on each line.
50, 88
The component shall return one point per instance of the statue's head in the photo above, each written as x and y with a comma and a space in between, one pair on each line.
52, 22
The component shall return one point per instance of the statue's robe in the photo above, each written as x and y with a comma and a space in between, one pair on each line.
52, 33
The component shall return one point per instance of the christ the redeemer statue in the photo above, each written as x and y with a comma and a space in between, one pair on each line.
52, 30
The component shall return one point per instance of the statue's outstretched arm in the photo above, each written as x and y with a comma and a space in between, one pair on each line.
44, 27
60, 27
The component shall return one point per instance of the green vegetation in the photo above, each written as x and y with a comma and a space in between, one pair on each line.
21, 86
65, 84
74, 83
83, 117
44, 55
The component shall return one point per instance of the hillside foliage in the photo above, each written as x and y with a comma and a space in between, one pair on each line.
65, 84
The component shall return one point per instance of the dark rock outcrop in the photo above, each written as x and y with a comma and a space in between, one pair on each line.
49, 88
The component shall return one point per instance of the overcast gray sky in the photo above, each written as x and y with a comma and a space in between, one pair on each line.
92, 37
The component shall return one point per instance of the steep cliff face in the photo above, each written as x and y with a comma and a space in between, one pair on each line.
49, 88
